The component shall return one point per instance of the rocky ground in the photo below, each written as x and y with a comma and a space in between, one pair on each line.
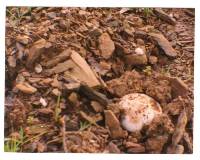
67, 70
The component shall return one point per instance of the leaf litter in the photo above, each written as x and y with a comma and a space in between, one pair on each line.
68, 69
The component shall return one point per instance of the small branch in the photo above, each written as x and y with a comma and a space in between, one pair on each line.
63, 134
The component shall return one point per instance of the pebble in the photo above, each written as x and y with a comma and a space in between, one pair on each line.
38, 68
26, 88
56, 92
43, 102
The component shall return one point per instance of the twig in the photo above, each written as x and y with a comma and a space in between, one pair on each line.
63, 134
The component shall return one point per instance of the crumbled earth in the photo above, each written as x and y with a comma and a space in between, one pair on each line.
68, 68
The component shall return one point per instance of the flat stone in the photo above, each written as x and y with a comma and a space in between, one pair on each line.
113, 124
179, 88
97, 106
106, 46
76, 68
35, 52
164, 44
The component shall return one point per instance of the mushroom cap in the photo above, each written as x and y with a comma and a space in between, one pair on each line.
138, 110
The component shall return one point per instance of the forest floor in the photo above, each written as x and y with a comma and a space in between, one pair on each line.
67, 70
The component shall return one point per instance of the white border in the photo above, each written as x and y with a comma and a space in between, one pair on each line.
103, 3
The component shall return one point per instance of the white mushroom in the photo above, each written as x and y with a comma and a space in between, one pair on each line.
138, 110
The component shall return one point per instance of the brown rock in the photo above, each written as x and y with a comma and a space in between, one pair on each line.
12, 61
92, 119
59, 58
160, 90
97, 106
22, 39
135, 147
160, 125
56, 92
188, 141
34, 79
178, 149
180, 128
73, 98
178, 104
156, 144
129, 82
137, 58
76, 68
164, 16
179, 88
55, 83
106, 46
45, 111
113, 124
35, 52
72, 86
153, 59
95, 32
164, 44
46, 81
26, 88
140, 42
112, 148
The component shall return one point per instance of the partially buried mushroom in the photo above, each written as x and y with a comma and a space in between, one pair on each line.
138, 110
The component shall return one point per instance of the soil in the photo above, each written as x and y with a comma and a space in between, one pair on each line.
68, 68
